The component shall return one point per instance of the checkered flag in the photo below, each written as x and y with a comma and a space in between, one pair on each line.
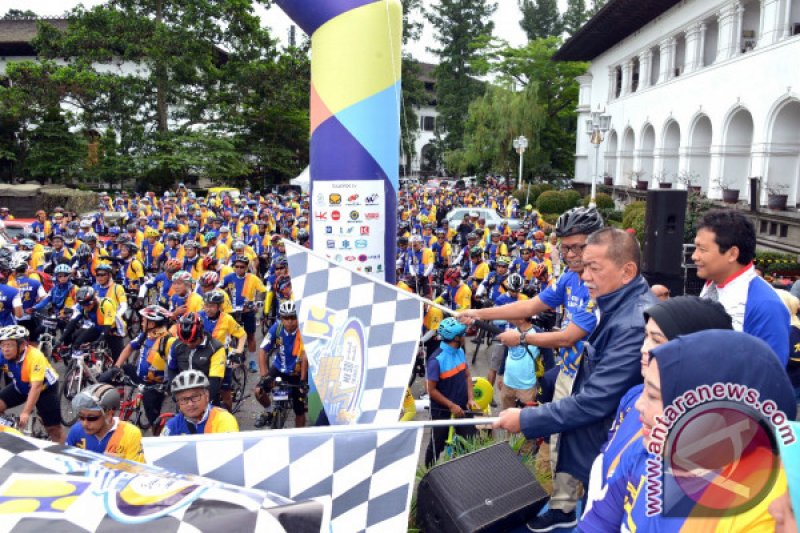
367, 472
360, 335
46, 487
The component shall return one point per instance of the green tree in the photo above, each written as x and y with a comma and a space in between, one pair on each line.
463, 29
540, 18
193, 85
596, 6
17, 14
492, 123
557, 97
575, 16
55, 153
413, 89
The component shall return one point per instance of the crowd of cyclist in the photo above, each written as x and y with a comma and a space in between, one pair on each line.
184, 283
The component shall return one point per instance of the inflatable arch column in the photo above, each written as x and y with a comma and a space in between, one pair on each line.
355, 128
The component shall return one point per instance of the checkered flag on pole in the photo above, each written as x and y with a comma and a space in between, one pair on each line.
360, 336
366, 471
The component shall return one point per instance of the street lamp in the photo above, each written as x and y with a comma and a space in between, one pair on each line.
595, 128
520, 144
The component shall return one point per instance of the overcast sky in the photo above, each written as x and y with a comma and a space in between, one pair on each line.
506, 20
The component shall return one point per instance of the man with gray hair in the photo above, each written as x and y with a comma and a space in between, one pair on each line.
609, 367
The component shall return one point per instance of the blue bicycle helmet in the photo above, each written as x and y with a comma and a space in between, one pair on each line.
450, 328
62, 269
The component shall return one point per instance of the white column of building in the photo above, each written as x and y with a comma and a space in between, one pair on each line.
759, 162
627, 70
673, 57
787, 19
772, 21
701, 48
645, 66
612, 82
665, 49
715, 171
738, 41
692, 45
726, 20
584, 153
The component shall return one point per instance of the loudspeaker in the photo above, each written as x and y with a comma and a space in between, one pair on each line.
663, 242
489, 490
675, 284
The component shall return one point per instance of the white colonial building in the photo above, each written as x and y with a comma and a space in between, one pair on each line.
423, 161
701, 88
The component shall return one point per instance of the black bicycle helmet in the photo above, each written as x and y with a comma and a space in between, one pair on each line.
514, 282
190, 327
83, 251
85, 295
214, 297
579, 221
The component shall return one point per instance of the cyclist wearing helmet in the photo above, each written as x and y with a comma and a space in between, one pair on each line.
31, 292
494, 284
130, 267
457, 294
197, 349
580, 319
192, 262
184, 299
478, 268
106, 288
153, 344
224, 328
208, 282
152, 249
162, 283
290, 363
98, 430
58, 253
419, 264
543, 270
190, 390
449, 385
34, 383
62, 296
495, 247
246, 291
95, 317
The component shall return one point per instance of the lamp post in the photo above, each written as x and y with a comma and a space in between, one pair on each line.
520, 144
595, 128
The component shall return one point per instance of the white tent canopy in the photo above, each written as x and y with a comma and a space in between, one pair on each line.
303, 180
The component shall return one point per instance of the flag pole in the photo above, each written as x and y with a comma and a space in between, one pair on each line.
378, 281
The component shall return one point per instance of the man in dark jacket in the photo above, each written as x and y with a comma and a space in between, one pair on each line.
608, 368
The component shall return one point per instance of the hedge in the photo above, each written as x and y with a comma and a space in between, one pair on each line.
634, 217
572, 197
602, 200
69, 199
533, 193
552, 202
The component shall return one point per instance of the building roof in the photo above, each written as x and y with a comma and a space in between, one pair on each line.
427, 72
614, 22
16, 35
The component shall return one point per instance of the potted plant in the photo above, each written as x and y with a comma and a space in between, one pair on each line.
688, 179
608, 180
777, 196
639, 183
729, 194
662, 179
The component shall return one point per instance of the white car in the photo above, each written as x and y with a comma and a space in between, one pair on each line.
455, 217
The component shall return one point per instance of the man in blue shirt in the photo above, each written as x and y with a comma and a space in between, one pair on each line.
724, 250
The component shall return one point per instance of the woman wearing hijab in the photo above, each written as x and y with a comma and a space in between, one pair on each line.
663, 322
675, 371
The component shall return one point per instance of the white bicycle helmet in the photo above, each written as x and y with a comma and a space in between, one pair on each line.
97, 397
15, 333
189, 379
287, 308
62, 269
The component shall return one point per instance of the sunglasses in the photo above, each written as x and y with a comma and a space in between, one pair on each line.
90, 418
239, 266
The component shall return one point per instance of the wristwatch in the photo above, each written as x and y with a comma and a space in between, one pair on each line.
522, 335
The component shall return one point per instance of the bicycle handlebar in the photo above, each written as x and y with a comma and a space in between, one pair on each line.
488, 327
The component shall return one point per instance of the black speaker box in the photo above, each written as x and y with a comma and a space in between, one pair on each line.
663, 242
489, 490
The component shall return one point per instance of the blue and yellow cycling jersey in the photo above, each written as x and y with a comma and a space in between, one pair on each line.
31, 367
29, 290
290, 346
153, 352
123, 441
223, 328
9, 298
192, 301
215, 420
242, 289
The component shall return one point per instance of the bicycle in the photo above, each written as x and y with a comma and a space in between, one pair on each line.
49, 336
131, 408
35, 427
131, 316
281, 403
238, 380
80, 374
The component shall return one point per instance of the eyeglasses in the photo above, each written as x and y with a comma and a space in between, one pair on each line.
280, 268
239, 266
575, 248
91, 418
195, 398
102, 274
289, 317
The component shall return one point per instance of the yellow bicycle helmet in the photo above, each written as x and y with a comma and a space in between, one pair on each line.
482, 392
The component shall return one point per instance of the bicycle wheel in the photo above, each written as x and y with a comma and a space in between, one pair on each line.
69, 389
238, 387
279, 417
37, 429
